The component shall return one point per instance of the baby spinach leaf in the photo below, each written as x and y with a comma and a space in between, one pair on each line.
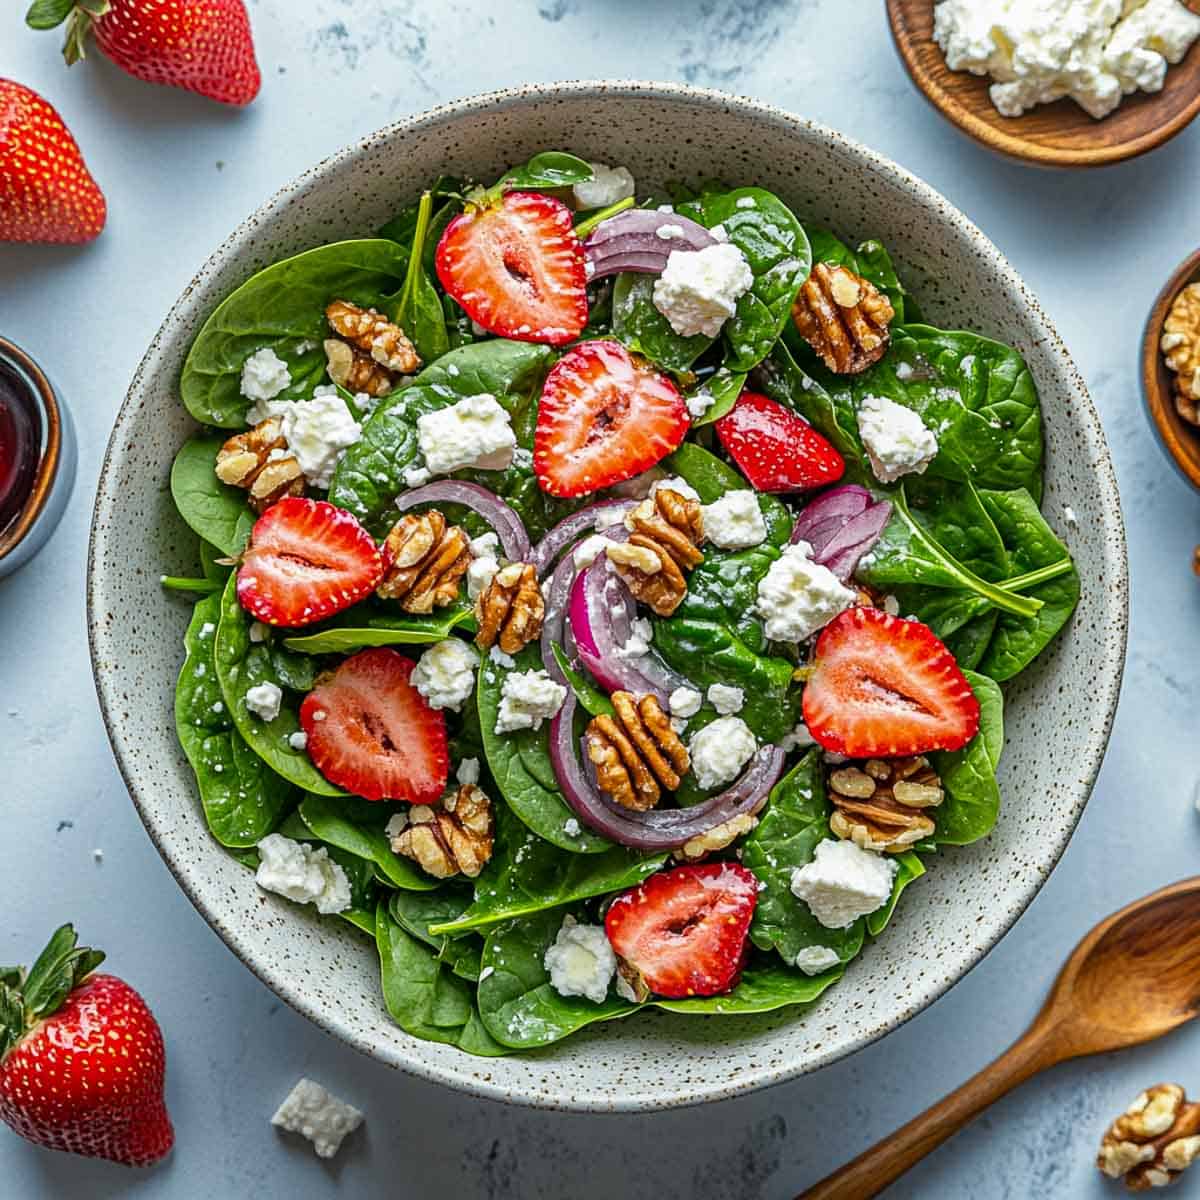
724, 387
361, 918
401, 228
546, 171
283, 307
875, 266
214, 510
510, 757
516, 1000
354, 630
423, 995
214, 570
417, 911
766, 984
638, 324
243, 799
590, 697
969, 641
418, 311
794, 822
360, 874
1032, 546
528, 875
777, 250
357, 827
242, 664
968, 776
909, 867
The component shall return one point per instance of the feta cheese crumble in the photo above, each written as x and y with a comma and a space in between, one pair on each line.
684, 702
484, 564
812, 960
581, 962
468, 771
735, 521
475, 432
527, 698
798, 739
725, 699
673, 483
298, 740
300, 873
720, 750
797, 597
897, 441
699, 402
318, 1115
445, 673
264, 375
843, 882
608, 185
698, 290
263, 700
318, 431
590, 549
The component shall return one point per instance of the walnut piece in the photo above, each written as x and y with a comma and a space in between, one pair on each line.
1181, 350
666, 530
373, 334
354, 370
878, 803
844, 318
424, 559
259, 461
636, 752
1156, 1137
717, 838
453, 838
510, 609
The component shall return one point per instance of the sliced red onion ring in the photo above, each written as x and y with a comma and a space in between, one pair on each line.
558, 596
857, 536
508, 526
658, 829
841, 526
568, 529
629, 241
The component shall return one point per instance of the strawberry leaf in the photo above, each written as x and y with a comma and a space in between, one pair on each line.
58, 969
12, 1018
48, 14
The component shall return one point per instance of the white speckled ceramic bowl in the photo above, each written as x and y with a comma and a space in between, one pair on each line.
1058, 715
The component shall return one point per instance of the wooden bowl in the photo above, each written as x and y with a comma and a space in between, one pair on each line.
1180, 439
1051, 135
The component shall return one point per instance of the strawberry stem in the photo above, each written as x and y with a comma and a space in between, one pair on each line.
181, 583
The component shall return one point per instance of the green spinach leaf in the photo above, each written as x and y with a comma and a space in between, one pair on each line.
353, 631
419, 309
766, 984
968, 776
417, 911
214, 510
909, 867
546, 171
638, 324
722, 388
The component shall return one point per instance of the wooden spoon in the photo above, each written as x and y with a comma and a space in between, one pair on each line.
1135, 977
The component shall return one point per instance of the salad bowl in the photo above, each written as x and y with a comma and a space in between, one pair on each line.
1058, 713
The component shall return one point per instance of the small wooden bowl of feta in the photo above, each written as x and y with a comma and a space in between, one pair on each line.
1160, 384
997, 69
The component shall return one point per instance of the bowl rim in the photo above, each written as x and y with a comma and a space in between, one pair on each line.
1107, 685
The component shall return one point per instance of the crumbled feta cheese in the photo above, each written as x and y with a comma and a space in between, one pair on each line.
298, 740
501, 659
314, 1113
641, 634
670, 233
527, 698
468, 771
1069, 516
720, 750
259, 632
843, 882
581, 962
397, 824
318, 431
484, 544
673, 483
891, 605
606, 518
897, 441
297, 871
812, 960
475, 432
745, 202
699, 402
698, 290
608, 185
417, 476
797, 596
625, 990
725, 699
735, 521
571, 827
264, 375
720, 233
684, 702
445, 673
798, 739
484, 564
590, 549
263, 700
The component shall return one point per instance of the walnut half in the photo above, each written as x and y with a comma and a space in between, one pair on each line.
1156, 1137
879, 804
510, 609
844, 318
424, 558
453, 838
636, 753
259, 461
1180, 345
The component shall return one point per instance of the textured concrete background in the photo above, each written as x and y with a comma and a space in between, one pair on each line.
179, 173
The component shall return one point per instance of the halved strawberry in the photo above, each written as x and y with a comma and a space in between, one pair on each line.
306, 560
685, 930
371, 732
775, 449
882, 687
517, 267
604, 417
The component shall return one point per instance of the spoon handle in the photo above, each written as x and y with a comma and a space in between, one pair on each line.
887, 1160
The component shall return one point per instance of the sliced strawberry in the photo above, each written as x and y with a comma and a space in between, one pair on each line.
517, 268
685, 930
604, 417
882, 687
371, 732
306, 561
775, 449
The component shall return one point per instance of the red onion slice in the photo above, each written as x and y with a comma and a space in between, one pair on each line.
508, 526
841, 526
657, 829
629, 241
856, 537
558, 596
568, 529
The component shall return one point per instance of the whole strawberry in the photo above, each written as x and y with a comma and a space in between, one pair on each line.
204, 46
81, 1059
47, 193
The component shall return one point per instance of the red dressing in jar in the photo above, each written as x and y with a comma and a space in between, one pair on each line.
20, 443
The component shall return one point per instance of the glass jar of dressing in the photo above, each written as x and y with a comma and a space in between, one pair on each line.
37, 458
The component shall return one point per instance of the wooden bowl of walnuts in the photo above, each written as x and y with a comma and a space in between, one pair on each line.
1171, 367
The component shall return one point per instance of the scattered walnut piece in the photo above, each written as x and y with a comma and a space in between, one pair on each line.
1156, 1137
453, 838
666, 530
1180, 344
373, 334
878, 802
510, 609
844, 318
354, 370
636, 752
717, 838
259, 461
424, 559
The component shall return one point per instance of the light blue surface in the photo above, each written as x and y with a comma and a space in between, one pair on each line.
179, 173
